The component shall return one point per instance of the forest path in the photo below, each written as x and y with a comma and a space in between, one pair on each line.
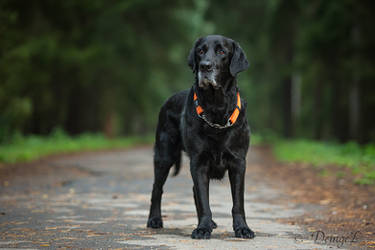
101, 200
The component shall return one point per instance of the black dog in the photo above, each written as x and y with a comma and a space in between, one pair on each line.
209, 123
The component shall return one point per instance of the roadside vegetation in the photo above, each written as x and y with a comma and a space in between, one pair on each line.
360, 159
29, 148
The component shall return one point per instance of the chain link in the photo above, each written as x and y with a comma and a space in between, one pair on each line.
215, 125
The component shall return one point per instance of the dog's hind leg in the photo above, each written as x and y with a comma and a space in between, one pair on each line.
161, 173
167, 153
168, 147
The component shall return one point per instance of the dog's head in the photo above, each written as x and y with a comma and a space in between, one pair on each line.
215, 58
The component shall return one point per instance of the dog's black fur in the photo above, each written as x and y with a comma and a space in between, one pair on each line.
215, 60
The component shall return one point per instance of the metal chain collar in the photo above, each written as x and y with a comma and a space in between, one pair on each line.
215, 125
231, 120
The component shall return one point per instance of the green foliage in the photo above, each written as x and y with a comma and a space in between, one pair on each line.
24, 149
360, 159
108, 66
311, 65
78, 65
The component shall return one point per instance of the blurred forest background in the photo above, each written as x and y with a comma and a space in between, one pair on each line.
107, 66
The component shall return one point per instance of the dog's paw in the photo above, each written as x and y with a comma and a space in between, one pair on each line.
155, 222
213, 224
244, 232
201, 233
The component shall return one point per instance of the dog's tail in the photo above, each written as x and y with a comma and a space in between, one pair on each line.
177, 164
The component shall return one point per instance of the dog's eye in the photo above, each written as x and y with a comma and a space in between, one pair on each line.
201, 52
221, 52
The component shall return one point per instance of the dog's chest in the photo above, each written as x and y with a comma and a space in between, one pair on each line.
218, 165
219, 155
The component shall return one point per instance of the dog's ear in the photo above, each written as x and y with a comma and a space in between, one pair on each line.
239, 62
191, 58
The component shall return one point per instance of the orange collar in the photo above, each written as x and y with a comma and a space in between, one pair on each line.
232, 119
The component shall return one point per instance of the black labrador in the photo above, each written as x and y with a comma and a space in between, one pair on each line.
209, 123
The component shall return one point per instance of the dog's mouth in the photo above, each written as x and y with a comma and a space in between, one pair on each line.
206, 80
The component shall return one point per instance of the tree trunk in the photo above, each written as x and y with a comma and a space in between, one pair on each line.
354, 111
287, 107
318, 121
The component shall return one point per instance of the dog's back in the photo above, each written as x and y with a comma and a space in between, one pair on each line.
168, 141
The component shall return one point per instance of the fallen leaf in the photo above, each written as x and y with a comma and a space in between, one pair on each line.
325, 202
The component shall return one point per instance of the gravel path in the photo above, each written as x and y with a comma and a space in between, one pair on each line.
101, 200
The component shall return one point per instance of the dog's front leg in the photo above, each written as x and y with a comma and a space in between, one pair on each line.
237, 183
201, 181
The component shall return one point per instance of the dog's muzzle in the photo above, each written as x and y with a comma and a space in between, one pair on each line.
207, 79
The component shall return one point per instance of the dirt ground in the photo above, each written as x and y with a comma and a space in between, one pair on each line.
347, 207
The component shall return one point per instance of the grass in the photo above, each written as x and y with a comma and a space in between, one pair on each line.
360, 159
24, 149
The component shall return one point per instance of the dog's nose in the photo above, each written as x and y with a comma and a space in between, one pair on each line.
205, 66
